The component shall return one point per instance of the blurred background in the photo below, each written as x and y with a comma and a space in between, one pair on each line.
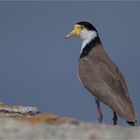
38, 66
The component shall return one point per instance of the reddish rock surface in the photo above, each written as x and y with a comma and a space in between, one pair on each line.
46, 118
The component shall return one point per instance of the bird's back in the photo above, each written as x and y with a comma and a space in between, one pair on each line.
104, 80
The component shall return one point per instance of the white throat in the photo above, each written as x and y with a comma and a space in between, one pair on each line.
86, 36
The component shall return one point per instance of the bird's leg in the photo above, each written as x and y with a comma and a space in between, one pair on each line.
100, 114
115, 118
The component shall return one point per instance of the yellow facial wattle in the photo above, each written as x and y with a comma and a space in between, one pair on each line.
75, 32
77, 29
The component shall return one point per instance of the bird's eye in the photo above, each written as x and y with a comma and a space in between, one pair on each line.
82, 27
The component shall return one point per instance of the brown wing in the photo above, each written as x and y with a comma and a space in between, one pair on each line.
103, 79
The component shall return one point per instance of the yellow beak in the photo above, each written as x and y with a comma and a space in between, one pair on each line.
75, 32
72, 33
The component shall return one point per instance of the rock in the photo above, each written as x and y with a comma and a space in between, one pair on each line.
17, 110
36, 126
15, 130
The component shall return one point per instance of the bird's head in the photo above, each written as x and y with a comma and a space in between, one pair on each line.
84, 30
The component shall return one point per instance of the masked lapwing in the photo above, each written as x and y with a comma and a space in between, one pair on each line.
101, 76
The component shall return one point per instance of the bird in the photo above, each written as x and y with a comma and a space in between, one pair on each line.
101, 76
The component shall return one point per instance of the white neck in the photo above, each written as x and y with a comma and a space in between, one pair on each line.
87, 36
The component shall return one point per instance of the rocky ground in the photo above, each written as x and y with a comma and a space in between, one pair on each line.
27, 123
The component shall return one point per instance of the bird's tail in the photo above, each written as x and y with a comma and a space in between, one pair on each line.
132, 123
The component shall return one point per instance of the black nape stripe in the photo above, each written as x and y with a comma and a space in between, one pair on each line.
89, 46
